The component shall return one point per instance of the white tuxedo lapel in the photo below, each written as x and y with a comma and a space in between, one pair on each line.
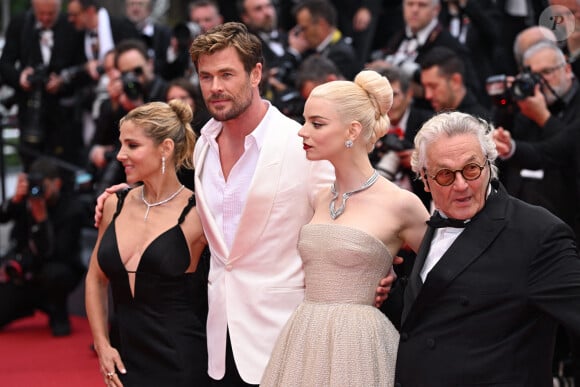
210, 227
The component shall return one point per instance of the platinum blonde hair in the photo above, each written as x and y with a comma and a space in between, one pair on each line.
367, 100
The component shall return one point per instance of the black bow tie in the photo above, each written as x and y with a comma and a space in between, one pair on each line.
437, 221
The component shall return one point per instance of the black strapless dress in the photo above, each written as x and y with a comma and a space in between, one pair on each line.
161, 329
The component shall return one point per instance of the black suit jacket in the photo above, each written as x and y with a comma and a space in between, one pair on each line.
556, 190
22, 49
272, 59
342, 54
122, 28
487, 312
439, 36
482, 41
46, 120
560, 152
157, 48
470, 105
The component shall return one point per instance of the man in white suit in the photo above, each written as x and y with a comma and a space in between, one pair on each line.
254, 190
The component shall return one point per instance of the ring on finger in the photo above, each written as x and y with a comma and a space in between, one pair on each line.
110, 375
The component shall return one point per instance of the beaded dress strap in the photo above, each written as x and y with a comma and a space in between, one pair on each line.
187, 208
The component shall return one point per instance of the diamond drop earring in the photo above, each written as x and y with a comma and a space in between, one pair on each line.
163, 165
348, 143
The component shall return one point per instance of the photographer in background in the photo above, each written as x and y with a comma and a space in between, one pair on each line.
40, 45
548, 100
392, 153
132, 83
548, 115
43, 265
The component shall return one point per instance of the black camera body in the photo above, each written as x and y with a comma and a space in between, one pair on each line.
18, 268
132, 86
522, 87
524, 84
393, 142
39, 77
387, 143
32, 125
35, 184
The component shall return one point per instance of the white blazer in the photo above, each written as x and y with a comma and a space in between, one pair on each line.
254, 288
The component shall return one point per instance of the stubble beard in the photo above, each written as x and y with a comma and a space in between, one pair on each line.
238, 107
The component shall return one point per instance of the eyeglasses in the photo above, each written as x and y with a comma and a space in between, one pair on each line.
445, 177
548, 71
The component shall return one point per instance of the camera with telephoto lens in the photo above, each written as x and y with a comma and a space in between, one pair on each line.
522, 87
35, 184
132, 86
32, 125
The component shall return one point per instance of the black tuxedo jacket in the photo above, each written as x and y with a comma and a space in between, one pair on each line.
487, 312
274, 60
483, 42
157, 47
342, 54
439, 36
22, 49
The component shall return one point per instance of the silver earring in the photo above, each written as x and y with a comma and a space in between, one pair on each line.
163, 165
348, 143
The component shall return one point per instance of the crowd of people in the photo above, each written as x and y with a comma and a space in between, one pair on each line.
327, 131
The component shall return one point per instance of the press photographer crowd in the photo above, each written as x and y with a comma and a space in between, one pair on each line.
77, 67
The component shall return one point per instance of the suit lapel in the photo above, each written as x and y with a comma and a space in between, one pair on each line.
415, 283
468, 248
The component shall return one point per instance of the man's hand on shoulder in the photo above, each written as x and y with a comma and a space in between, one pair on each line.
101, 201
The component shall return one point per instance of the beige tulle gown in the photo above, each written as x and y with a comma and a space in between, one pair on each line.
336, 337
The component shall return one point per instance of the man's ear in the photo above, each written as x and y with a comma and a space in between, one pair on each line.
256, 74
456, 79
426, 183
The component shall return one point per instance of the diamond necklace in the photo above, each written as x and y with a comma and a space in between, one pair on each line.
149, 205
336, 213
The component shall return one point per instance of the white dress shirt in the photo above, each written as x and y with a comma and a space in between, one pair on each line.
228, 197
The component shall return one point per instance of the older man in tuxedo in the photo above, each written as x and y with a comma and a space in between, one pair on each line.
493, 276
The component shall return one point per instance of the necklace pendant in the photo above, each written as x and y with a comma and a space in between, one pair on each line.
335, 213
149, 205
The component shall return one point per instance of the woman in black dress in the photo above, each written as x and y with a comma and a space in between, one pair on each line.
148, 249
